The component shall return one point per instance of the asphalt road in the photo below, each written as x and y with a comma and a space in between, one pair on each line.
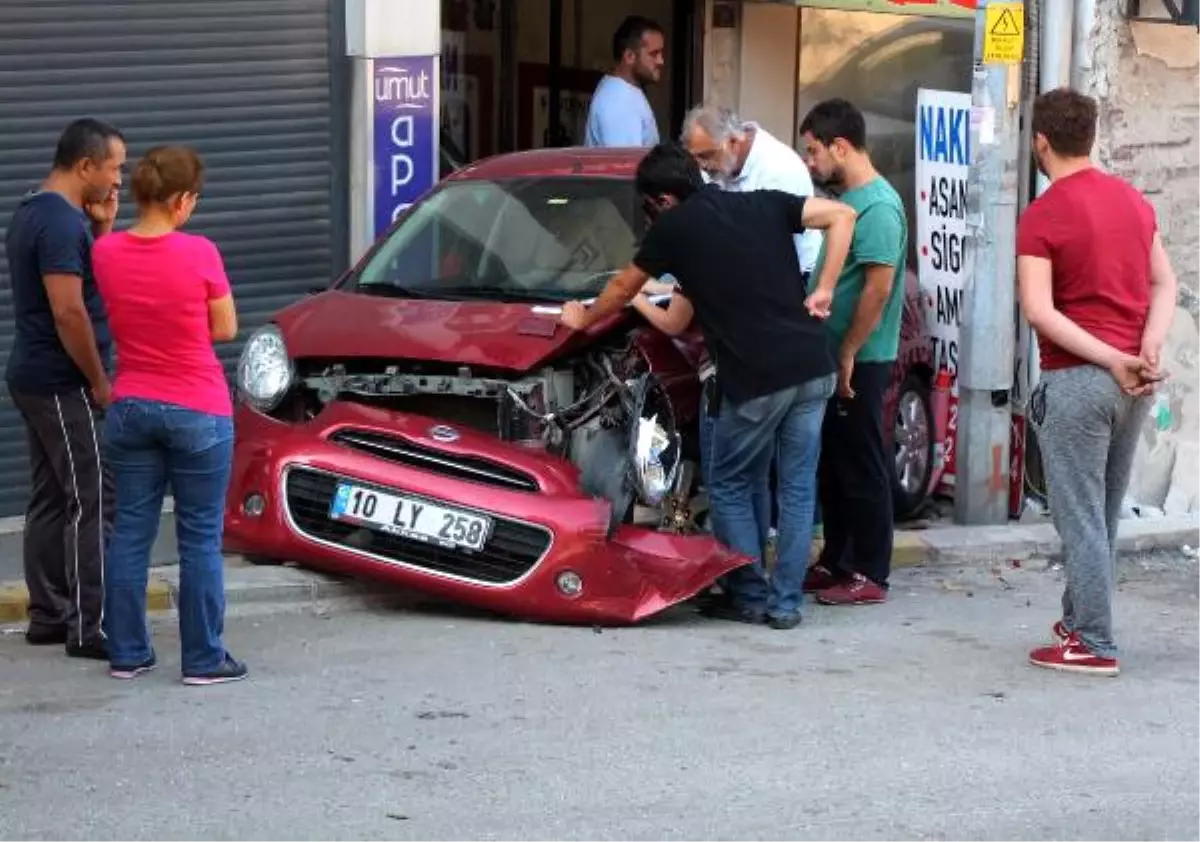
918, 719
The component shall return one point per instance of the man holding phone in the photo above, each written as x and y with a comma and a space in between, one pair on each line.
57, 375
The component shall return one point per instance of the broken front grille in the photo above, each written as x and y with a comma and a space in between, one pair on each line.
404, 452
512, 550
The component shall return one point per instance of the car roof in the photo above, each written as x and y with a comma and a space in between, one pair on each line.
577, 161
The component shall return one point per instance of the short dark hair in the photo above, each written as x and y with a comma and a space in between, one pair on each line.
668, 170
630, 33
1067, 119
85, 139
834, 118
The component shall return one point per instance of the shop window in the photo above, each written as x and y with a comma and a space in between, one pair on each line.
498, 69
878, 62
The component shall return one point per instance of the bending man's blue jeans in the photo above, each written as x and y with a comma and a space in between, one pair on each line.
785, 425
761, 495
152, 445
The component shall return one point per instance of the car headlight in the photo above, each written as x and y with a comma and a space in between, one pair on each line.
264, 371
654, 443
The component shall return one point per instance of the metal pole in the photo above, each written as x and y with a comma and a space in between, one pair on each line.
1058, 36
554, 106
986, 363
1081, 48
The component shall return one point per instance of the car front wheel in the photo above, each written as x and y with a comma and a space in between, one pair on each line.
913, 446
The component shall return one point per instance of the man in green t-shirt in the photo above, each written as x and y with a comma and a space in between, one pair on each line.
855, 478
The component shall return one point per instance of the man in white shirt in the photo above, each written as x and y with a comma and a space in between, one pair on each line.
741, 156
619, 114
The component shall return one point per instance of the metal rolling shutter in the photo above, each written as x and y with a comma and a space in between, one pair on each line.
246, 82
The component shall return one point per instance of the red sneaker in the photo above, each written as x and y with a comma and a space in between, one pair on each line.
819, 578
1060, 632
1072, 656
859, 590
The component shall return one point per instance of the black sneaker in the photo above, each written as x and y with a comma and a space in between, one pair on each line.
129, 673
733, 613
92, 650
229, 670
39, 635
712, 599
784, 623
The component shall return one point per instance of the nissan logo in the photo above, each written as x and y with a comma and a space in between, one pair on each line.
443, 433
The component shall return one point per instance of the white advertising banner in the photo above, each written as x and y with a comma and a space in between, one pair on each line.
943, 158
945, 121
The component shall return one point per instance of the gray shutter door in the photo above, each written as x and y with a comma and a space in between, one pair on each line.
245, 82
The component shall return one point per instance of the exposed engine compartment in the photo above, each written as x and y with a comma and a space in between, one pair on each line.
602, 410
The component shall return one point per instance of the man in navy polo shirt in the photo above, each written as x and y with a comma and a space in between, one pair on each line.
57, 376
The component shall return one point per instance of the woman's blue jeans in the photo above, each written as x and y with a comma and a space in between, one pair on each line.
150, 446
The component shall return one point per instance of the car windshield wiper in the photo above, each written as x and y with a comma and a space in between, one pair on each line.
390, 291
464, 293
495, 293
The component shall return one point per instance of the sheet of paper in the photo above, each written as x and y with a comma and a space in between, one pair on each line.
556, 310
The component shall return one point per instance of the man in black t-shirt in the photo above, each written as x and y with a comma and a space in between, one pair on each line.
734, 257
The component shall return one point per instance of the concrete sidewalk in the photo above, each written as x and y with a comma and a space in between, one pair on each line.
12, 539
256, 588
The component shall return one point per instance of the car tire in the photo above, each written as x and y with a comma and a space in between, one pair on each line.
1035, 473
913, 447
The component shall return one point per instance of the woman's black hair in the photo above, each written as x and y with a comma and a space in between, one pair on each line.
669, 170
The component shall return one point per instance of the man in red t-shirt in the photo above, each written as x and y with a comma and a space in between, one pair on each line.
1097, 286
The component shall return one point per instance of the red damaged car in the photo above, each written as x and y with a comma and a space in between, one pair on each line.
427, 422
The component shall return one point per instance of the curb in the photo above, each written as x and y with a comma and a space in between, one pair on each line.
958, 544
15, 525
245, 585
248, 585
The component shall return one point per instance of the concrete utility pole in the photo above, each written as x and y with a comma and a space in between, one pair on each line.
985, 373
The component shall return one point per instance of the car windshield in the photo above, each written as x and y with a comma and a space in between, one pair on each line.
521, 239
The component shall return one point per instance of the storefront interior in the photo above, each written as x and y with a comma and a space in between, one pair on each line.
518, 74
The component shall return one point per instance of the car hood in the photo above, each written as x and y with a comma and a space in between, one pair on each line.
339, 325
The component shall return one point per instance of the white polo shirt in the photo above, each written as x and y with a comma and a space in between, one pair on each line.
773, 165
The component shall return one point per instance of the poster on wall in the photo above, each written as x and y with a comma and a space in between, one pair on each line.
943, 160
942, 169
405, 134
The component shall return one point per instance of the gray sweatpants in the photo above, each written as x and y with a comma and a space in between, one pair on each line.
1088, 431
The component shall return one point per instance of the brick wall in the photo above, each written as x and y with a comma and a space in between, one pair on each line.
1150, 124
1146, 79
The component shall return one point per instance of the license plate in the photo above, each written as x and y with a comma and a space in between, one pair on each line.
409, 518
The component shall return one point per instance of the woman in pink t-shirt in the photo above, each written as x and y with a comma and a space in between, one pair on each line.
170, 423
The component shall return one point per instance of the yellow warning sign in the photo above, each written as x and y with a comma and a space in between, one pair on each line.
1004, 35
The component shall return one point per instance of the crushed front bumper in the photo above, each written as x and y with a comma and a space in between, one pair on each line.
548, 557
